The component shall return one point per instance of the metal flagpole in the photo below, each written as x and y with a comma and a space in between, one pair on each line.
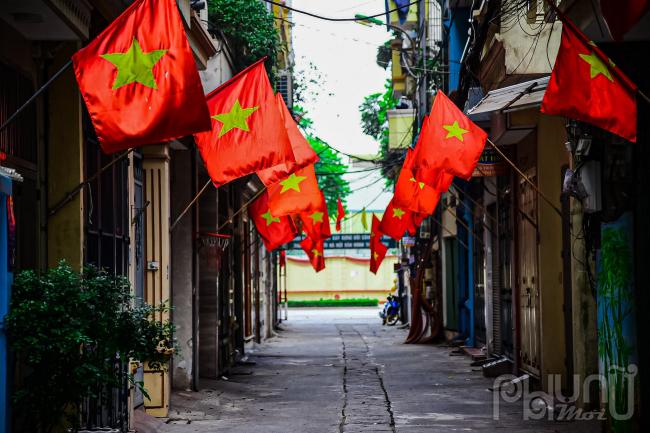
35, 95
69, 196
521, 173
187, 208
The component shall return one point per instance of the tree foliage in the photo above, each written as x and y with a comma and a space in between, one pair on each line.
374, 122
248, 27
384, 55
329, 169
308, 84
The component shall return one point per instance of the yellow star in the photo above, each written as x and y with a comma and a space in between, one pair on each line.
236, 118
270, 219
292, 182
316, 217
134, 66
376, 255
596, 66
420, 184
398, 213
454, 130
315, 252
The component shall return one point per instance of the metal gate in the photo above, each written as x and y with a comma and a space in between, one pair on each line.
503, 324
528, 288
479, 280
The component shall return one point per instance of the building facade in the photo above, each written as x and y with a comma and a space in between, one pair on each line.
142, 214
519, 263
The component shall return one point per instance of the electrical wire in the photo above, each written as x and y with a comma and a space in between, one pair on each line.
383, 191
364, 18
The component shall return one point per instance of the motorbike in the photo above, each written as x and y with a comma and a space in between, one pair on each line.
390, 314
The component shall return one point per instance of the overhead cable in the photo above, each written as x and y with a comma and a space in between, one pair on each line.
364, 18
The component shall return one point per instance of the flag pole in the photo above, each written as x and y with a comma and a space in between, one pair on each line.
187, 208
69, 196
252, 199
35, 95
462, 223
523, 176
437, 221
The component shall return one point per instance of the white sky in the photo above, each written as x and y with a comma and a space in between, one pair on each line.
344, 53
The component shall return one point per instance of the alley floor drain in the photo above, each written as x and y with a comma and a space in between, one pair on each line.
366, 405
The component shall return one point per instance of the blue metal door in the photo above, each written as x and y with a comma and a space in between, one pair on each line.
5, 294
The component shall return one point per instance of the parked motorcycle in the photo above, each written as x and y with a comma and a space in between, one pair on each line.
390, 314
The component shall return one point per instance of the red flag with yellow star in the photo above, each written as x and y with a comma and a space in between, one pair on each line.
586, 85
274, 231
395, 221
377, 248
340, 214
316, 223
449, 141
622, 15
248, 132
416, 221
438, 179
297, 193
303, 153
315, 252
139, 80
413, 194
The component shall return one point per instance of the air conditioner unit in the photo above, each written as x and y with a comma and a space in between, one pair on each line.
283, 85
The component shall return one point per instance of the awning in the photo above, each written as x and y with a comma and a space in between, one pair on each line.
511, 98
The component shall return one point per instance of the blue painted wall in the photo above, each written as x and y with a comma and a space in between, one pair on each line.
465, 292
457, 24
5, 294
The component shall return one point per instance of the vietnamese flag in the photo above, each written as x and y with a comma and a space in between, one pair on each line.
377, 248
340, 214
622, 15
316, 223
315, 252
395, 221
274, 231
414, 194
415, 223
296, 194
438, 179
139, 81
303, 153
449, 141
248, 132
586, 85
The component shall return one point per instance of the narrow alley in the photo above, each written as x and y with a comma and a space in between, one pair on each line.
294, 216
339, 370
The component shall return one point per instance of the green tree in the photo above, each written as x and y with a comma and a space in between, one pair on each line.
329, 169
374, 122
248, 27
384, 55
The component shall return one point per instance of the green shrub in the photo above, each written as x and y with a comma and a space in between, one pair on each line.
68, 330
352, 302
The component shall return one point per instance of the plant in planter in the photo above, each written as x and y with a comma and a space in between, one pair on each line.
68, 332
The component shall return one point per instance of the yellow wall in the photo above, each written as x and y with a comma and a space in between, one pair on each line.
342, 276
65, 166
551, 156
156, 188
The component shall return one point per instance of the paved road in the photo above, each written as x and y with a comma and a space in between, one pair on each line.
340, 371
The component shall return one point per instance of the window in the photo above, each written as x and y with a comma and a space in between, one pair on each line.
106, 207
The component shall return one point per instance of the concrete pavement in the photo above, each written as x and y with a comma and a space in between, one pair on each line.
339, 370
